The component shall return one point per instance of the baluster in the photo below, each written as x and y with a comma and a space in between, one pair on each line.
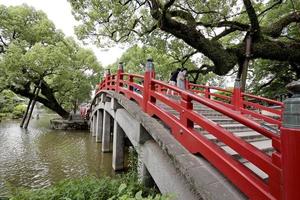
130, 87
186, 102
119, 76
148, 84
237, 100
207, 92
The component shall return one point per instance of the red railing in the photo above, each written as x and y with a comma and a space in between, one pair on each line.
257, 107
147, 91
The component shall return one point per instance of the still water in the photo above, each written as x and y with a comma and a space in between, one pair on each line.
39, 157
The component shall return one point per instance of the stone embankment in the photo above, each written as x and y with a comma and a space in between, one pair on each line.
75, 122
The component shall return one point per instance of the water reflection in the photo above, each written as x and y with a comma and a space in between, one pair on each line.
40, 156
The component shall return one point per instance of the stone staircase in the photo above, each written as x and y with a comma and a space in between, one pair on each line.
254, 138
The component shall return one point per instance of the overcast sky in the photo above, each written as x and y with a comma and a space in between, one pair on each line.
59, 11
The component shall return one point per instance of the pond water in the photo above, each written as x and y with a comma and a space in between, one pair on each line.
40, 156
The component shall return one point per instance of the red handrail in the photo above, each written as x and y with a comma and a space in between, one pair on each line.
151, 91
243, 104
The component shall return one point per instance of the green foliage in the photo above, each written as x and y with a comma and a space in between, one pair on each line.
11, 105
90, 188
136, 56
269, 78
32, 50
213, 26
223, 94
19, 110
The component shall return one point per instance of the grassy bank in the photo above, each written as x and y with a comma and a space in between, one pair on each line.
123, 188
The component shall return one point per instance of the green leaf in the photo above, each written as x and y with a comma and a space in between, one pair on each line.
122, 187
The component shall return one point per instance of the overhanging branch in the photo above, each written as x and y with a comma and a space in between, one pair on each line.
255, 29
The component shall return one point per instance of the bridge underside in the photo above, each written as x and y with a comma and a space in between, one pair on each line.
170, 165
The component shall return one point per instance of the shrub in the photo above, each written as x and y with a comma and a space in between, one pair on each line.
91, 189
19, 110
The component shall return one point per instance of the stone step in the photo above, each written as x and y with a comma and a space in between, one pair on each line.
229, 127
247, 135
264, 145
256, 170
203, 110
223, 120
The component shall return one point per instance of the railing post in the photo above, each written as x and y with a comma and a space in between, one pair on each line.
130, 87
237, 96
290, 144
119, 76
186, 102
187, 84
207, 92
149, 74
108, 79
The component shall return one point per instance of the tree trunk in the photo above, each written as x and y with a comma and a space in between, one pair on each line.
49, 101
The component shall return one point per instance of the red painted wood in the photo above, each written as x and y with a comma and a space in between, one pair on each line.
290, 140
183, 128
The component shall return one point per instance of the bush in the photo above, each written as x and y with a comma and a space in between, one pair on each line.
91, 189
19, 110
224, 94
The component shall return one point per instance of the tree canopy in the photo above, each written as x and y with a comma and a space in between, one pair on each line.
135, 57
33, 50
215, 29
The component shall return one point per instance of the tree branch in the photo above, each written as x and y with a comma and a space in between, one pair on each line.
154, 7
275, 29
204, 69
266, 84
188, 17
270, 8
168, 4
223, 60
231, 24
224, 33
255, 29
48, 103
2, 41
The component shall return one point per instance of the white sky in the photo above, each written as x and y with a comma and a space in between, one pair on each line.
59, 11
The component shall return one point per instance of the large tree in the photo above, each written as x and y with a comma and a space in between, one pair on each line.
32, 51
165, 63
214, 28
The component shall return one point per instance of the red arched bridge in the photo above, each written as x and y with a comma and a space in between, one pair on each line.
239, 134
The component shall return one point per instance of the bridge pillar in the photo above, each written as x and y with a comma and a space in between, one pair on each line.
94, 124
91, 124
99, 127
106, 132
91, 121
144, 176
118, 147
290, 140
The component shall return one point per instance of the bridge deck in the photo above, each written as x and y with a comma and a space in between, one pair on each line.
231, 131
256, 139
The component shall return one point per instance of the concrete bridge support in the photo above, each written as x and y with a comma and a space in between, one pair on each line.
94, 124
118, 147
99, 126
106, 132
143, 174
